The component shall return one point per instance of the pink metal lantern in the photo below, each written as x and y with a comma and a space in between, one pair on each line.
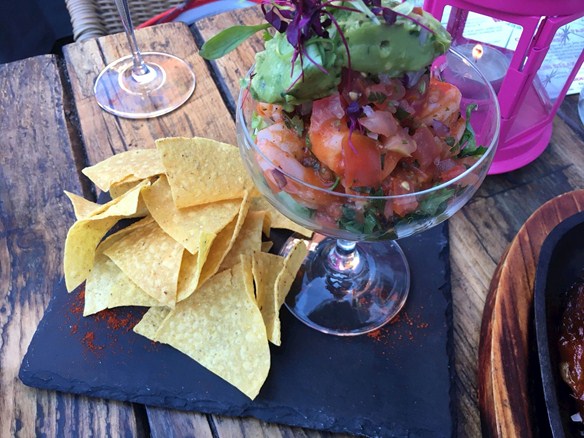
522, 70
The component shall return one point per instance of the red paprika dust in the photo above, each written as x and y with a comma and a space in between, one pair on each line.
118, 321
403, 326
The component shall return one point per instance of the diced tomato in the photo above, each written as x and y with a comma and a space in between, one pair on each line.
448, 169
362, 162
327, 132
427, 151
390, 160
402, 185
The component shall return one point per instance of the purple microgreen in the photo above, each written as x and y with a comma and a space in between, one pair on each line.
353, 112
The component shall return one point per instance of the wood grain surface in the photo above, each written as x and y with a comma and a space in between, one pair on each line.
36, 164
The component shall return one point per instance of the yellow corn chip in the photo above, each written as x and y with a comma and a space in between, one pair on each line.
84, 236
249, 239
223, 243
201, 170
266, 268
277, 219
82, 207
108, 287
186, 225
151, 322
292, 264
137, 163
222, 328
192, 265
118, 189
151, 259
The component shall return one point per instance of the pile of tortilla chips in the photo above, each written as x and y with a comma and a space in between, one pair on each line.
194, 254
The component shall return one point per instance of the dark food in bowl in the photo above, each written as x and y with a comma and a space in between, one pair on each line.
571, 343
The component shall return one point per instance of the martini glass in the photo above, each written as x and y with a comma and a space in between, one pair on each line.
143, 84
356, 278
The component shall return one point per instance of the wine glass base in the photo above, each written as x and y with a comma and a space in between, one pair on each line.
168, 84
354, 301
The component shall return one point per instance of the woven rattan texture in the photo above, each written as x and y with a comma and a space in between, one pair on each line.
141, 10
94, 18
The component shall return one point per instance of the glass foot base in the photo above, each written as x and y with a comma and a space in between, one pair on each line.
346, 292
168, 83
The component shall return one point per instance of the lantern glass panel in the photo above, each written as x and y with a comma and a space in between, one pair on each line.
563, 54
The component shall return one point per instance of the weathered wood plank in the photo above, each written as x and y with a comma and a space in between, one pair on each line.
36, 164
167, 423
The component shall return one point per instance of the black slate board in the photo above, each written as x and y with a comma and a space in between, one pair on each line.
393, 382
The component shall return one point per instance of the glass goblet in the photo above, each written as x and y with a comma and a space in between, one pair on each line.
356, 277
143, 85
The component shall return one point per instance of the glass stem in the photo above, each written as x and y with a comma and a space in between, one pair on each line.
140, 69
345, 257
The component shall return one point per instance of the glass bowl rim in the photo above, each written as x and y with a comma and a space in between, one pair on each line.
240, 120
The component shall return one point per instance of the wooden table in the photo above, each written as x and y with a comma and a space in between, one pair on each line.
51, 127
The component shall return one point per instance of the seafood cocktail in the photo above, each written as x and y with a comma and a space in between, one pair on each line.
354, 124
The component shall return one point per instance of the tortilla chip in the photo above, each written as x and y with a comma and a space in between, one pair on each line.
246, 263
151, 259
277, 219
82, 207
267, 246
108, 287
192, 265
151, 322
223, 243
248, 241
292, 264
118, 189
222, 328
201, 170
186, 225
84, 236
266, 269
138, 164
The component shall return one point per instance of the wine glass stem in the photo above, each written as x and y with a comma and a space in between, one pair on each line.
345, 257
140, 69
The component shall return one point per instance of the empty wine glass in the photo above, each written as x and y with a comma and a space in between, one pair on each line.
356, 278
143, 85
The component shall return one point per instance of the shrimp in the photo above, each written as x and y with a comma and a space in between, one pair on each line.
285, 150
442, 105
270, 111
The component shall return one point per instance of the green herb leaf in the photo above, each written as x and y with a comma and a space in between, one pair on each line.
401, 114
258, 122
228, 40
334, 186
436, 203
295, 123
377, 97
467, 143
